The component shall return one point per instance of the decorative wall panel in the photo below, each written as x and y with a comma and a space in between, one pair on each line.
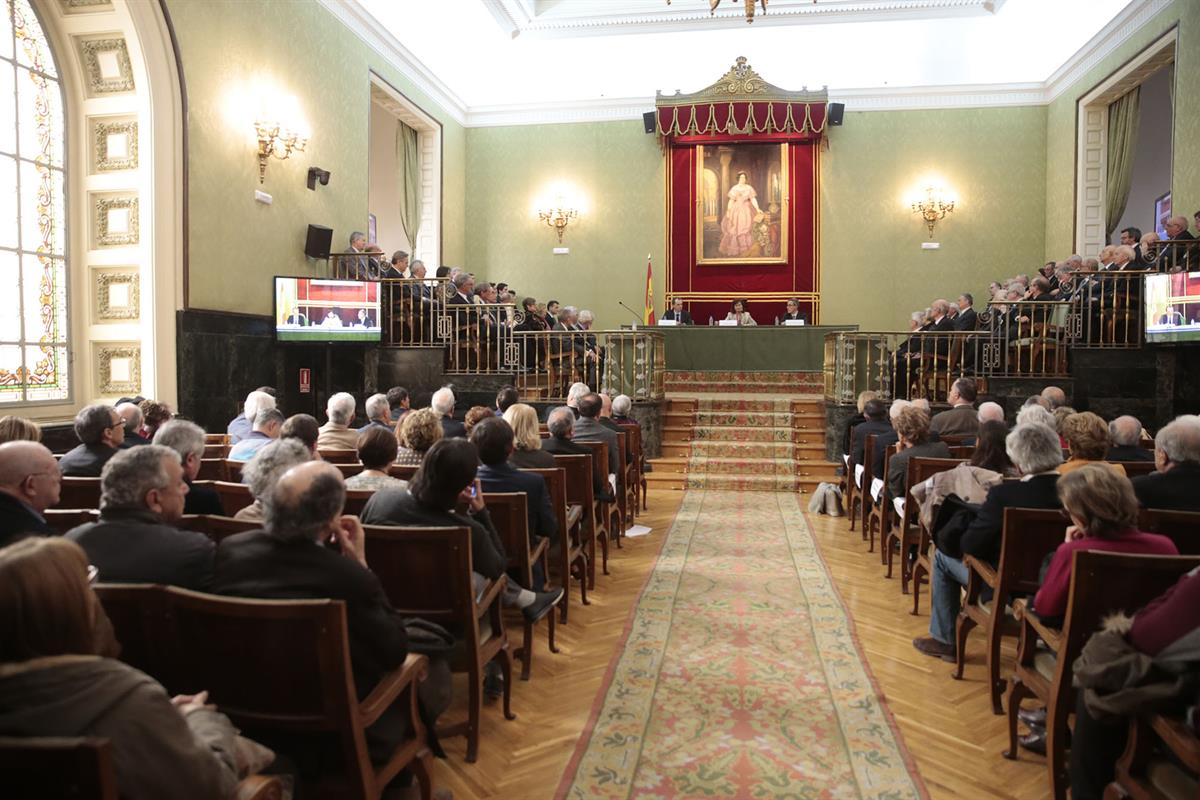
115, 294
114, 220
118, 368
113, 143
106, 65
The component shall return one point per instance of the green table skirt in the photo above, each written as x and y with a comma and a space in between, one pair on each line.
762, 348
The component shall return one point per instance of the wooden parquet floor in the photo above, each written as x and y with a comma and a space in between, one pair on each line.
946, 724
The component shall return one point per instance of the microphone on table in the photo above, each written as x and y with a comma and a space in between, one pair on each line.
637, 317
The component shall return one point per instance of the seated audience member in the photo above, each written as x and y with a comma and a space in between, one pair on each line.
885, 440
289, 559
304, 429
739, 314
1060, 415
576, 391
442, 404
131, 414
30, 482
1177, 462
1087, 442
1036, 400
506, 397
561, 422
267, 425
970, 481
379, 413
589, 429
876, 413
377, 451
53, 683
1037, 415
19, 429
444, 481
493, 438
187, 439
154, 416
399, 402
336, 433
101, 431
240, 426
527, 442
988, 412
853, 422
967, 319
262, 471
1054, 396
606, 419
1165, 631
622, 404
418, 432
476, 415
1035, 451
961, 418
913, 428
142, 494
1126, 435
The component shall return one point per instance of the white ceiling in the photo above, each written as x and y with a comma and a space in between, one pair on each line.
495, 54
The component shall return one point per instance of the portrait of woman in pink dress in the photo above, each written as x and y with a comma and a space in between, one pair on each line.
741, 213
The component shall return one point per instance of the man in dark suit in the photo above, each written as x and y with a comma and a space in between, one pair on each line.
187, 439
131, 413
1177, 256
1126, 435
494, 440
357, 268
677, 312
793, 312
1177, 458
101, 430
967, 319
589, 429
1036, 452
142, 494
1172, 317
961, 418
442, 404
29, 484
561, 422
876, 413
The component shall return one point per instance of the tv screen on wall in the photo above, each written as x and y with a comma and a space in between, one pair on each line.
1173, 307
318, 310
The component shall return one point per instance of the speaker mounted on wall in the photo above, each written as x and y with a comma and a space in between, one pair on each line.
650, 121
836, 111
319, 239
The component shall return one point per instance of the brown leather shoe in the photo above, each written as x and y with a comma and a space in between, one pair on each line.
932, 647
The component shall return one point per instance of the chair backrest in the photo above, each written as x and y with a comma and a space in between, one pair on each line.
356, 500
955, 439
599, 455
349, 470
217, 451
79, 493
338, 456
212, 469
216, 438
1135, 468
921, 469
578, 473
961, 451
556, 487
1029, 534
1181, 527
868, 462
64, 519
216, 527
509, 514
404, 472
233, 471
75, 768
425, 572
234, 496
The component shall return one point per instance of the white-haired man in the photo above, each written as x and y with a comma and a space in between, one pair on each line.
622, 405
132, 414
379, 413
336, 434
1126, 435
1177, 459
187, 439
240, 426
266, 430
577, 390
442, 404
1177, 256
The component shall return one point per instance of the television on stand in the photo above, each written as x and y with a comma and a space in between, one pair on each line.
317, 310
1172, 307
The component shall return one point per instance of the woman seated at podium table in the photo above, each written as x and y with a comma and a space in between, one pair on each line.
739, 313
793, 312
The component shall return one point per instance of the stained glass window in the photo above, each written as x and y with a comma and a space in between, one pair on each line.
34, 361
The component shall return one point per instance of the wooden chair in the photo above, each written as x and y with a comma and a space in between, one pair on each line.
1134, 469
879, 515
426, 572
337, 456
853, 500
622, 491
956, 439
1101, 584
578, 471
605, 511
216, 438
79, 493
864, 491
572, 560
404, 472
356, 500
907, 533
962, 451
1161, 758
1028, 535
217, 528
64, 519
212, 469
1182, 527
636, 479
509, 513
217, 451
233, 470
922, 566
349, 470
234, 496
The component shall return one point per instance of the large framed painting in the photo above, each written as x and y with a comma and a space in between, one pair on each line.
742, 200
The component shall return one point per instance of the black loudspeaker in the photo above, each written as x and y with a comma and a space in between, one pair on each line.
650, 120
318, 241
836, 110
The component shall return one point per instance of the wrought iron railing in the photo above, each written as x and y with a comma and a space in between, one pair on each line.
616, 362
1174, 255
1107, 307
1026, 339
479, 339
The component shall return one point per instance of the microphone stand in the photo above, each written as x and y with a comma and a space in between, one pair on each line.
636, 316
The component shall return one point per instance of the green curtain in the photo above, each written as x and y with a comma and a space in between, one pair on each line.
1122, 139
408, 175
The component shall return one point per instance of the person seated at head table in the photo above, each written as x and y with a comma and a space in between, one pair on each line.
738, 312
793, 312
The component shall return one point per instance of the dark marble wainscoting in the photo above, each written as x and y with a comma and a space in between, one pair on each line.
836, 417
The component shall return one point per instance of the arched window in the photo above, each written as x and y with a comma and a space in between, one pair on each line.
34, 355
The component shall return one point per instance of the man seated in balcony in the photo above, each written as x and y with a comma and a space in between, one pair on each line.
1178, 256
967, 318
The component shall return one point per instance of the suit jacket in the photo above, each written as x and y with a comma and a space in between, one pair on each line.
506, 478
898, 466
532, 459
590, 430
86, 460
982, 538
859, 437
566, 447
136, 546
202, 500
132, 440
883, 442
260, 565
18, 520
1128, 452
452, 428
966, 320
851, 424
960, 420
398, 507
684, 318
1178, 257
336, 437
1174, 489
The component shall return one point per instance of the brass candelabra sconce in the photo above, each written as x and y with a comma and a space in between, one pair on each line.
276, 140
558, 218
934, 206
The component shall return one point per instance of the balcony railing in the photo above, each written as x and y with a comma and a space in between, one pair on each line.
1107, 308
615, 362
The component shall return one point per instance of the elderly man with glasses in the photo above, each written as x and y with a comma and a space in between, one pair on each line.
101, 432
30, 482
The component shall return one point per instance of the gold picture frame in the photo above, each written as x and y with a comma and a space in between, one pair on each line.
742, 225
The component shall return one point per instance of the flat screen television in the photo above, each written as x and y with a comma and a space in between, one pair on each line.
1172, 307
328, 311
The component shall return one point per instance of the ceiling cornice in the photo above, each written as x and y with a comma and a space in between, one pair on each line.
1111, 36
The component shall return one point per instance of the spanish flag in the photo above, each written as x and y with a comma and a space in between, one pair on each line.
648, 314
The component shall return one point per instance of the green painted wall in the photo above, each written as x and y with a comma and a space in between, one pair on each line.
1060, 125
874, 270
228, 48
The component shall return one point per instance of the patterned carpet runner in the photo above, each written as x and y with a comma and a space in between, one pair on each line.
740, 676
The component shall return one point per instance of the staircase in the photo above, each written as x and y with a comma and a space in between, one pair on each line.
751, 431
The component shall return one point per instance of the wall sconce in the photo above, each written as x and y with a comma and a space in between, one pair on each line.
275, 140
558, 217
935, 205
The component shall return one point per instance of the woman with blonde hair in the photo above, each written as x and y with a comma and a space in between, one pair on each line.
53, 683
1087, 441
527, 440
19, 429
415, 434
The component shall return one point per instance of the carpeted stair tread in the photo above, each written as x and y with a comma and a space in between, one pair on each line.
742, 466
742, 483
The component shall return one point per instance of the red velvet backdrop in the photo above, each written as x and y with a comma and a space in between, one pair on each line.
707, 289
